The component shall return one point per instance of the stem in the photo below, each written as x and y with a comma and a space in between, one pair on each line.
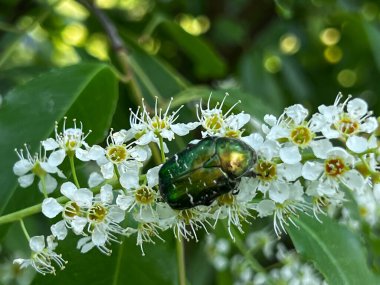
161, 141
35, 209
118, 47
24, 229
72, 166
181, 261
244, 250
43, 184
179, 241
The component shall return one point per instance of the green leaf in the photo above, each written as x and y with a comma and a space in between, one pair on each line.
126, 265
87, 92
336, 252
207, 62
155, 77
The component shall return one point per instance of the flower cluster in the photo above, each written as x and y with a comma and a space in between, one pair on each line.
302, 162
287, 267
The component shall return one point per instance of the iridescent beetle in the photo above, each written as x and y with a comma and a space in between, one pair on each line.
204, 171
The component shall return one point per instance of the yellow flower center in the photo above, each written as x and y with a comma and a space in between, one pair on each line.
159, 124
117, 153
71, 210
335, 167
266, 170
144, 195
301, 136
37, 170
233, 134
97, 213
214, 122
347, 126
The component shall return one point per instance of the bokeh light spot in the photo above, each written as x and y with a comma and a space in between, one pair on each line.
347, 77
74, 34
272, 63
330, 36
333, 54
97, 46
289, 44
194, 25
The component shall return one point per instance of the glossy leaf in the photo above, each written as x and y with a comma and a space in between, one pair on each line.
87, 92
126, 265
336, 252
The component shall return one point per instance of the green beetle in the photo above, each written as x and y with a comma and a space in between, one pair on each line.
204, 171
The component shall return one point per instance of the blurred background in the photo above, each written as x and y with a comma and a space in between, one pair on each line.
269, 54
282, 51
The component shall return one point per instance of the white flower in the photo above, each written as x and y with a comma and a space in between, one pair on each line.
218, 124
235, 207
126, 159
294, 131
146, 128
184, 223
30, 166
103, 220
43, 256
73, 211
70, 142
345, 123
336, 168
143, 196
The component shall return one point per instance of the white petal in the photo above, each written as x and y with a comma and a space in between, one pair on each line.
21, 167
369, 125
82, 154
68, 189
321, 147
83, 197
354, 181
357, 107
26, 180
95, 152
49, 168
277, 132
376, 192
180, 129
116, 214
145, 139
152, 176
57, 157
254, 140
279, 192
311, 170
290, 172
270, 120
129, 180
50, 184
167, 134
297, 112
59, 230
99, 235
357, 144
85, 244
265, 208
106, 194
95, 179
107, 170
37, 243
140, 153
290, 154
78, 224
269, 149
50, 144
51, 208
124, 202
